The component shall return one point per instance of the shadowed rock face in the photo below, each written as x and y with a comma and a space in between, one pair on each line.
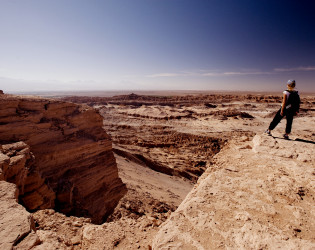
72, 154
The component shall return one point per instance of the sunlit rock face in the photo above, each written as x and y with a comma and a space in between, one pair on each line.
16, 223
63, 152
259, 194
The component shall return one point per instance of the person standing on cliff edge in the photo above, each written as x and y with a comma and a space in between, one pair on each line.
289, 108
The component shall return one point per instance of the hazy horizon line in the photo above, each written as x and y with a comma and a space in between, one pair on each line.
130, 91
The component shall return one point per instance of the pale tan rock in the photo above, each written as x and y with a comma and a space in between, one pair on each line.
56, 230
251, 199
15, 222
28, 242
102, 237
51, 241
4, 164
293, 149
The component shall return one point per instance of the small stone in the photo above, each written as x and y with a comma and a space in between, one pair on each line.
76, 240
77, 224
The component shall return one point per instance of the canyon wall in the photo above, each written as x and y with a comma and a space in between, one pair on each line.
67, 157
17, 166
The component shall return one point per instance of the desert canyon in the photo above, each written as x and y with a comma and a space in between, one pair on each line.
155, 171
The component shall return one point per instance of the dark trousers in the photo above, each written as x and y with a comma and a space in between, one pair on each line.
288, 114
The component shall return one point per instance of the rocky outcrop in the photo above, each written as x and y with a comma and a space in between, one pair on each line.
71, 156
17, 166
260, 198
16, 224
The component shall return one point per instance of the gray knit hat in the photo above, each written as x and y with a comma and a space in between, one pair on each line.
291, 84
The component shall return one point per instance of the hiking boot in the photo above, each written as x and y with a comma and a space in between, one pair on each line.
268, 132
285, 136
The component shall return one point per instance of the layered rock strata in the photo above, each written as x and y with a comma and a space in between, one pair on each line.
17, 166
259, 195
71, 154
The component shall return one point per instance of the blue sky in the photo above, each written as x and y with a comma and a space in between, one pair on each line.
156, 45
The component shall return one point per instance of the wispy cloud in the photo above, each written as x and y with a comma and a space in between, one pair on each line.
164, 75
246, 73
217, 73
310, 68
210, 74
205, 73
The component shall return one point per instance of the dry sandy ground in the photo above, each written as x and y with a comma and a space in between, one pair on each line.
150, 199
169, 189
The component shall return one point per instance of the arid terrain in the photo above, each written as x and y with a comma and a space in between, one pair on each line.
199, 172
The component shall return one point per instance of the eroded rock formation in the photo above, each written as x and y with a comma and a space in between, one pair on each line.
71, 156
177, 100
17, 166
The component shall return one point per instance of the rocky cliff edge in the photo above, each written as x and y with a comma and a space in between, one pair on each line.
258, 195
59, 157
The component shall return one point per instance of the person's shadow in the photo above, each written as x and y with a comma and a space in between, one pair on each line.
306, 141
296, 139
281, 138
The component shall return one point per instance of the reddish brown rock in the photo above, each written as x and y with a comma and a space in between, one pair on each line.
17, 166
73, 155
